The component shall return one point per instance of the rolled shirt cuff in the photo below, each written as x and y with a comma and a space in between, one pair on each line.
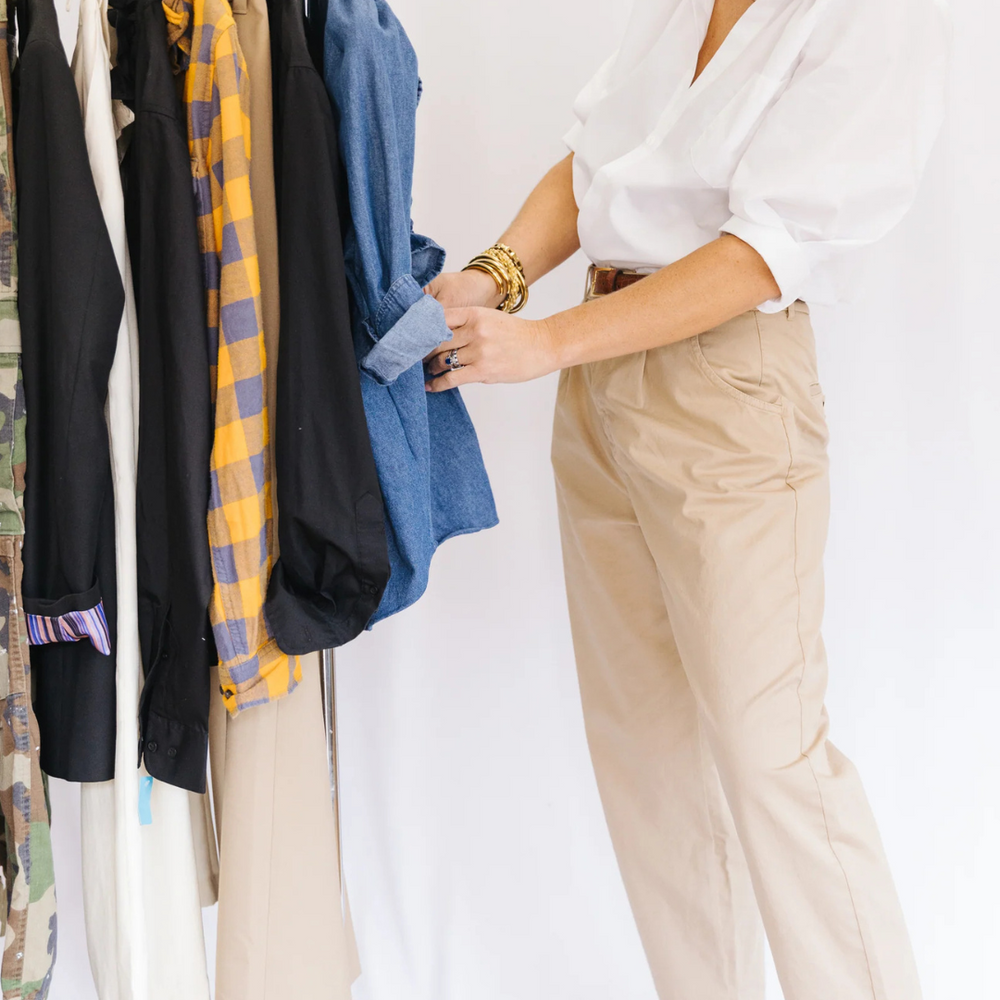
786, 258
264, 677
69, 619
419, 328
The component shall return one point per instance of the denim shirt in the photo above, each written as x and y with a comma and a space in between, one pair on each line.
433, 480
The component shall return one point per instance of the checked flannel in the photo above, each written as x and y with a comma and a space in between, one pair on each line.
216, 89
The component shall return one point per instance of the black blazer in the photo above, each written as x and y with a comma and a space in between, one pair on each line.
71, 301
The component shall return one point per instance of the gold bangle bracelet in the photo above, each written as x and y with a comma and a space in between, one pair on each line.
507, 271
488, 266
515, 269
515, 260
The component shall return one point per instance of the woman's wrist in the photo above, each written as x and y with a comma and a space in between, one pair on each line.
558, 342
553, 343
459, 289
483, 288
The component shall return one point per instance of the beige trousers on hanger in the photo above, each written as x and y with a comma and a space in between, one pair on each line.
282, 932
693, 495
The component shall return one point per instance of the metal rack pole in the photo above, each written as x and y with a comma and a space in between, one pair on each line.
328, 682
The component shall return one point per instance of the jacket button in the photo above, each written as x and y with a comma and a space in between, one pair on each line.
369, 589
172, 752
151, 746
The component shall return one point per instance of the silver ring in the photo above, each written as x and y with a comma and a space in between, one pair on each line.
452, 361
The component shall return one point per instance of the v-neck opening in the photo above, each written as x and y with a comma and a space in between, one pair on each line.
742, 30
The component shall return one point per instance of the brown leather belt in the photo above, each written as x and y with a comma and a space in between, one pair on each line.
605, 280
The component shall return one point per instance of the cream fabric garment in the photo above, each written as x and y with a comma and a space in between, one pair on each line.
141, 903
805, 136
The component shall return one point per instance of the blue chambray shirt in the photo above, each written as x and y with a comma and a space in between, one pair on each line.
433, 480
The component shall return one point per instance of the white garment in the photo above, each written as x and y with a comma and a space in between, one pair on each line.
805, 136
141, 903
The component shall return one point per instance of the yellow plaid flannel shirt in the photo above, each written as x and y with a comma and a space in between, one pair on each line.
217, 98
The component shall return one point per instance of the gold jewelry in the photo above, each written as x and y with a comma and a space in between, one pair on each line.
499, 275
505, 268
503, 248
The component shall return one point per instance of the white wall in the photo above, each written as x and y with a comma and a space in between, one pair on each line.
478, 861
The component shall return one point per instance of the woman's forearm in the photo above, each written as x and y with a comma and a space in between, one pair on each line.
709, 287
544, 234
723, 279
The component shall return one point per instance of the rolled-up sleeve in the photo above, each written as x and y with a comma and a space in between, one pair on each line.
837, 161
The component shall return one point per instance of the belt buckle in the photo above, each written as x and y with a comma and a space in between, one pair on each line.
592, 272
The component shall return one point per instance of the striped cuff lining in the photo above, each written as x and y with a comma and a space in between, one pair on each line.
72, 627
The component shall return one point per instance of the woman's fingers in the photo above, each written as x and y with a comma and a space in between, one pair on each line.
460, 323
438, 363
452, 380
457, 342
442, 350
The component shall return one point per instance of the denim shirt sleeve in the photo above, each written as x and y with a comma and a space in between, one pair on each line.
370, 69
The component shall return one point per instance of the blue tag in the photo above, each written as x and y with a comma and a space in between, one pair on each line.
145, 805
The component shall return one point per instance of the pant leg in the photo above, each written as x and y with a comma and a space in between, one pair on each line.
673, 834
722, 442
281, 932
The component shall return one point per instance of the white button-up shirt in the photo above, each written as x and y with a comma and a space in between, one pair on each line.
805, 136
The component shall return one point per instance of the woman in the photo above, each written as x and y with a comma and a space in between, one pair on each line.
726, 163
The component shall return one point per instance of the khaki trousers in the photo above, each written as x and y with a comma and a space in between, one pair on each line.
281, 931
693, 497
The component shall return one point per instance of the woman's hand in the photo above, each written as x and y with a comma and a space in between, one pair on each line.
465, 288
493, 347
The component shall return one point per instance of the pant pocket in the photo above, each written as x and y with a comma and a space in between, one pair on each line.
731, 358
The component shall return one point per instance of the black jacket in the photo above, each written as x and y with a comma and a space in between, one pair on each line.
334, 564
71, 301
175, 409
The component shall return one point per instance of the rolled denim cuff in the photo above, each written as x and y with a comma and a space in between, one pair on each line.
412, 337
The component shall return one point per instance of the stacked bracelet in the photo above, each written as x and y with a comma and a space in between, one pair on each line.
505, 268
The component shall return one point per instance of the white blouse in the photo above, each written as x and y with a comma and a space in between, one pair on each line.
805, 136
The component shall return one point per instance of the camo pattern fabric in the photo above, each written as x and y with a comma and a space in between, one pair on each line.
30, 934
28, 921
10, 328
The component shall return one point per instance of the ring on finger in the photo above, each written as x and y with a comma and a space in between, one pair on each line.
451, 360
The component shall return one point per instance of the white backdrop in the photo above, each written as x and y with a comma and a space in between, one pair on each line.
478, 860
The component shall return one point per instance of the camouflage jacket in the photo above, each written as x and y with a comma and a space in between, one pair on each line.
28, 921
